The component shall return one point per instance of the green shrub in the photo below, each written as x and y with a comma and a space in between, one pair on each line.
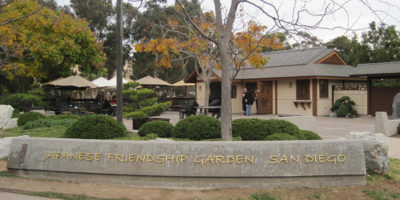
280, 136
197, 127
281, 126
258, 129
161, 128
150, 136
309, 135
22, 101
63, 116
249, 129
96, 127
28, 117
15, 113
49, 122
344, 107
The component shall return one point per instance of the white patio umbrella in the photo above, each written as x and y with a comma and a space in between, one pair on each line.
101, 82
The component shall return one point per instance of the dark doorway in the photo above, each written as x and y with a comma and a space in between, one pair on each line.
215, 91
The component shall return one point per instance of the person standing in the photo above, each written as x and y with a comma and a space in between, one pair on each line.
249, 100
243, 101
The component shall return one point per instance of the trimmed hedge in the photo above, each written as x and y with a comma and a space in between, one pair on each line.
63, 116
309, 135
161, 128
197, 127
29, 117
280, 136
96, 127
249, 129
258, 129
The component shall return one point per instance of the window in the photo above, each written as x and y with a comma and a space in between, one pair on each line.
303, 89
323, 89
233, 92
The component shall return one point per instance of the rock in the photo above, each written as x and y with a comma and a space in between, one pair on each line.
12, 123
6, 112
375, 150
5, 145
332, 114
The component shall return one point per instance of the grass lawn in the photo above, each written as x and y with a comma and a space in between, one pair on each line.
55, 132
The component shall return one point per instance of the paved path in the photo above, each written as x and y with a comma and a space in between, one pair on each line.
9, 196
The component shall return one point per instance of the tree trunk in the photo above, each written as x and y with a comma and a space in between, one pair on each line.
226, 85
206, 91
119, 62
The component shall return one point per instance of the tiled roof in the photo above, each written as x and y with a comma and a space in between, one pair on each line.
296, 56
297, 71
378, 68
295, 63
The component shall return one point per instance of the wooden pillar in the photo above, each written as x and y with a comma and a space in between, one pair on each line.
369, 84
276, 96
315, 96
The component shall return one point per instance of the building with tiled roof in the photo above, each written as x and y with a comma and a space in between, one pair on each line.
294, 82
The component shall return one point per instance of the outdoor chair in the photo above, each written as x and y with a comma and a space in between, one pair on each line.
215, 111
189, 109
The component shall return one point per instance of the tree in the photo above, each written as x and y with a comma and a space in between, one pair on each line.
245, 46
384, 43
147, 27
351, 51
308, 41
96, 12
45, 46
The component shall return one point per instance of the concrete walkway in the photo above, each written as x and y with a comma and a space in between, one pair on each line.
9, 196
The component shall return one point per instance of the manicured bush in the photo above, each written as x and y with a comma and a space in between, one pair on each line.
63, 116
161, 128
28, 117
309, 135
197, 127
150, 136
280, 136
281, 126
22, 101
96, 127
258, 129
49, 122
344, 107
249, 129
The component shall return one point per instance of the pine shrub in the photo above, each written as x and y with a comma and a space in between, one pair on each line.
344, 107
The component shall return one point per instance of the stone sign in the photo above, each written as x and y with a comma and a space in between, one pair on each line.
396, 106
199, 164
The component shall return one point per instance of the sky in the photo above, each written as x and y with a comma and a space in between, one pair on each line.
349, 16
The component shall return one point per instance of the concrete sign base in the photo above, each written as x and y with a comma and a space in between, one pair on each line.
191, 164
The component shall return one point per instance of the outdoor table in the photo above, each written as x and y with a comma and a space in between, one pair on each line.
206, 108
